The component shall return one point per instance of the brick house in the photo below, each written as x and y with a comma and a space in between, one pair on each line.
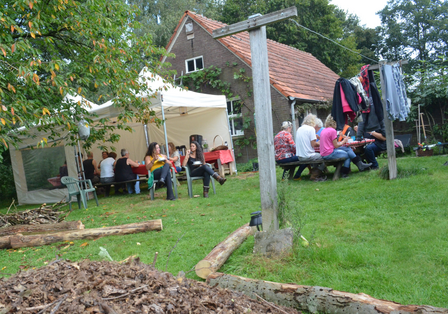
297, 78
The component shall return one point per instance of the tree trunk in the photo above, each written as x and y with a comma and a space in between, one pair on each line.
42, 228
17, 241
316, 299
217, 257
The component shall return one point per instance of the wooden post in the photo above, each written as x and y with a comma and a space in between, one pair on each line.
392, 160
263, 109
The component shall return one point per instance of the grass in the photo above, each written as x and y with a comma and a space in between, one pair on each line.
380, 237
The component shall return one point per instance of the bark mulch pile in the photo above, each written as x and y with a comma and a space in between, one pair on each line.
109, 287
45, 214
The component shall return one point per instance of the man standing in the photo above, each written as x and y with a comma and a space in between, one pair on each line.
306, 141
123, 172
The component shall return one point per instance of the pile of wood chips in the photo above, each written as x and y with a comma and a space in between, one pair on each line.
109, 287
45, 214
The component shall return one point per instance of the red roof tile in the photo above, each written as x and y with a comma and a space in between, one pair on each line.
292, 72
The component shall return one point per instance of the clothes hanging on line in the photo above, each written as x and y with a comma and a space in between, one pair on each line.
395, 92
360, 89
345, 102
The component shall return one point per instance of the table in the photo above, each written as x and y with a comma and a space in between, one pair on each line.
141, 169
353, 145
219, 158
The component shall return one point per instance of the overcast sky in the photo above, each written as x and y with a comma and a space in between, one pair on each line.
364, 9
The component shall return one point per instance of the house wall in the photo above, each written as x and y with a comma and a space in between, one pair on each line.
214, 53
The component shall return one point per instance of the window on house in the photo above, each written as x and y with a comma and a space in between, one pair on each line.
235, 118
194, 64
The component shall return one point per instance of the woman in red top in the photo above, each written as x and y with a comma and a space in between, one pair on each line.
285, 149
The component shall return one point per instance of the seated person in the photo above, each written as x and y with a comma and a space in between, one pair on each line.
330, 148
320, 125
104, 154
90, 169
202, 170
174, 156
306, 140
107, 171
285, 149
159, 165
123, 172
373, 149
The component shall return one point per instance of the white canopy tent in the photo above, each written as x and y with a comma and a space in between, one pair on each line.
184, 112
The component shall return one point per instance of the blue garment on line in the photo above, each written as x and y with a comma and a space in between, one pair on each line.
395, 90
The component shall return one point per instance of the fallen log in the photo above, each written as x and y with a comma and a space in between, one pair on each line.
43, 228
218, 256
316, 299
18, 241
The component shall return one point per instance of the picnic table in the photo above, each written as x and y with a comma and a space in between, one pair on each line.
219, 158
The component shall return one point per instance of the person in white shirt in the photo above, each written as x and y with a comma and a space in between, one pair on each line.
306, 141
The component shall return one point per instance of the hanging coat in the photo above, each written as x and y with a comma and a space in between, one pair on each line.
349, 91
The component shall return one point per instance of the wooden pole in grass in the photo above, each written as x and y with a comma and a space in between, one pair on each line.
256, 25
220, 253
42, 228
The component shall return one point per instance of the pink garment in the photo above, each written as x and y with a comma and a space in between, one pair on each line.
326, 141
346, 107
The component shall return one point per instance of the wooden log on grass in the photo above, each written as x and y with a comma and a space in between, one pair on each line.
316, 299
42, 228
218, 256
17, 241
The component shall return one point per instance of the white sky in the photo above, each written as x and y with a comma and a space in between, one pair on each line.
364, 9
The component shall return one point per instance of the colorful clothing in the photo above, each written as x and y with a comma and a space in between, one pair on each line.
284, 145
326, 141
157, 163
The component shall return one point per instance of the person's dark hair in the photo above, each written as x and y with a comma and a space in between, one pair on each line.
151, 149
199, 154
113, 155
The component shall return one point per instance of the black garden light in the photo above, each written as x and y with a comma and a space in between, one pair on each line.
255, 220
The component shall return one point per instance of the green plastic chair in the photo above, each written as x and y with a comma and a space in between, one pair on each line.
173, 180
74, 188
190, 180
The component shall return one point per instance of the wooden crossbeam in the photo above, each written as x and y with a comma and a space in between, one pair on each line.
255, 22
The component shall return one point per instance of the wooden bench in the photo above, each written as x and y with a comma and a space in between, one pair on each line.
291, 166
99, 184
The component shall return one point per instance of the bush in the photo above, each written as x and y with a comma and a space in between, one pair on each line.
248, 166
7, 186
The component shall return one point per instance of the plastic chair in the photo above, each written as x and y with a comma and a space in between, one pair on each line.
173, 180
190, 180
74, 188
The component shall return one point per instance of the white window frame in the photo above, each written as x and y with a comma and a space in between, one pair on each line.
232, 116
194, 59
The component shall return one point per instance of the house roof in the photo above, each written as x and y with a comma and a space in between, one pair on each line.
292, 72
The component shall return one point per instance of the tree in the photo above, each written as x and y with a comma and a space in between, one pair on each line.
316, 15
160, 18
56, 47
414, 29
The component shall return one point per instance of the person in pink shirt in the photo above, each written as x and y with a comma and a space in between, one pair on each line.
330, 148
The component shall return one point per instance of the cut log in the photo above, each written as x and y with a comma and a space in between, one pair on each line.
42, 228
44, 239
316, 299
218, 256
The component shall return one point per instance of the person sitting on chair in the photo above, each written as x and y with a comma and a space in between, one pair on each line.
194, 154
373, 149
123, 172
174, 156
159, 165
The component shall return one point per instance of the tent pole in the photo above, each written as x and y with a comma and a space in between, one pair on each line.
146, 135
164, 126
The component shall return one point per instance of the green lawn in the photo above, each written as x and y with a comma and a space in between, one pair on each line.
383, 238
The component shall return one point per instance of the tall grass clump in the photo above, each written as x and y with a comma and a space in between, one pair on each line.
403, 172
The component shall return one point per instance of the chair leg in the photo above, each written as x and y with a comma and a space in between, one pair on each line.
190, 188
213, 184
70, 203
175, 186
96, 198
83, 199
79, 200
151, 191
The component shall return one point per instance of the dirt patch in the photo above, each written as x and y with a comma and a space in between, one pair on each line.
110, 287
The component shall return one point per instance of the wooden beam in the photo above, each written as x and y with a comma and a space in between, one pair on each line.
254, 23
377, 66
220, 253
42, 228
392, 160
264, 126
315, 299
